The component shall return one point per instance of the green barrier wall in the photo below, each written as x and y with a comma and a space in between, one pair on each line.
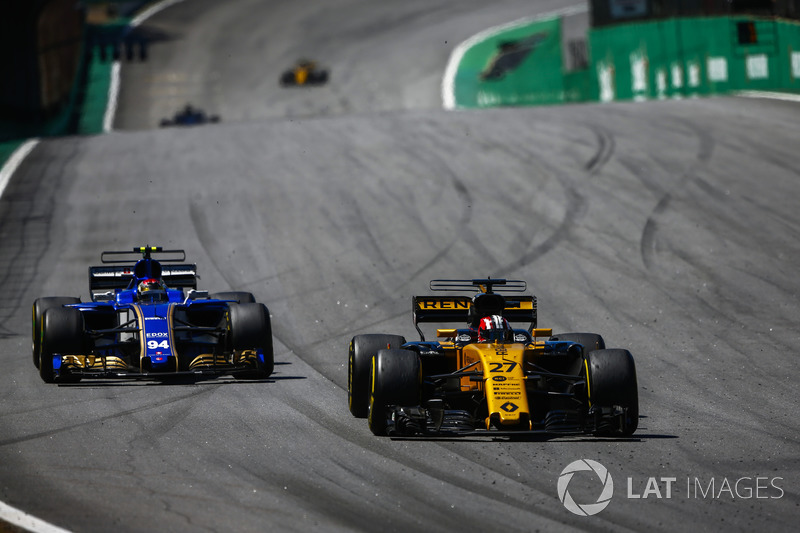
695, 56
672, 58
520, 66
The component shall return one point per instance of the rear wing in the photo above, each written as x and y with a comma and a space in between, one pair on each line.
106, 278
488, 285
138, 263
488, 300
451, 309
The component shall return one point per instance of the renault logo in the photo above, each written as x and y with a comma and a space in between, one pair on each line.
509, 407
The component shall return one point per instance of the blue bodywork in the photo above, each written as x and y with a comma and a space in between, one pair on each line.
174, 333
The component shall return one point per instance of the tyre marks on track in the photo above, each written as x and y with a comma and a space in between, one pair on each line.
705, 149
465, 472
606, 145
575, 203
160, 405
26, 234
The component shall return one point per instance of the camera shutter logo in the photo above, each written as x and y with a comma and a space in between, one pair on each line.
587, 509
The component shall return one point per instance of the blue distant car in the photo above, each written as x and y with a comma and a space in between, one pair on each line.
147, 320
189, 116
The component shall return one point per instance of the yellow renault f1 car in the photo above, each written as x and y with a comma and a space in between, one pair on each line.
304, 72
487, 377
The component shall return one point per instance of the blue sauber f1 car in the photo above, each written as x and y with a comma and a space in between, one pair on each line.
147, 320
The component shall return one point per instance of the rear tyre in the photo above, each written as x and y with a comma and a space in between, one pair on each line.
612, 382
62, 333
287, 78
251, 329
590, 341
396, 380
241, 297
359, 361
40, 305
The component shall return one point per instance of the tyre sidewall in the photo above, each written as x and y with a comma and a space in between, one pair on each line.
395, 380
612, 381
251, 329
62, 333
40, 305
359, 361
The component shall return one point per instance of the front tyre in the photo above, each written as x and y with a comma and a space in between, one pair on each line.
362, 349
39, 307
611, 378
251, 329
396, 380
62, 334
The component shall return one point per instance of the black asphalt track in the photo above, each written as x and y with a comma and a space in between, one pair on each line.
669, 227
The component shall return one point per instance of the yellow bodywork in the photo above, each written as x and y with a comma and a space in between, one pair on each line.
502, 366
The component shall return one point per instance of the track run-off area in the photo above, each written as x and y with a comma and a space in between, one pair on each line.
669, 227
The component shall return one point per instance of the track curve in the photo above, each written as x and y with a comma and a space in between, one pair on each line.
668, 227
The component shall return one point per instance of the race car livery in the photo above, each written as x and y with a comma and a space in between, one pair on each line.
147, 320
304, 72
189, 116
487, 377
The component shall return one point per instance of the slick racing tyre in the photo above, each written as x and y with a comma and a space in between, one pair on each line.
590, 341
251, 329
362, 349
395, 380
611, 378
240, 296
287, 78
318, 78
39, 307
63, 334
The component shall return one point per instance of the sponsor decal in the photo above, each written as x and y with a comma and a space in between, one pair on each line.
443, 304
509, 407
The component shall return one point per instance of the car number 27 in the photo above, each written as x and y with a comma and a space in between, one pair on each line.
507, 366
153, 345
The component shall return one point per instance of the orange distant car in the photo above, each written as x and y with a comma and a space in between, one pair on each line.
305, 72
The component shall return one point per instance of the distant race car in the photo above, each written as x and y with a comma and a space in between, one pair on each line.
304, 72
147, 320
189, 116
487, 378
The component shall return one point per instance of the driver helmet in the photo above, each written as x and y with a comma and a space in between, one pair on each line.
151, 290
495, 328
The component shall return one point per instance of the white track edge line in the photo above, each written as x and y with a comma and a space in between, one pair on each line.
15, 161
8, 513
26, 521
772, 95
113, 88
